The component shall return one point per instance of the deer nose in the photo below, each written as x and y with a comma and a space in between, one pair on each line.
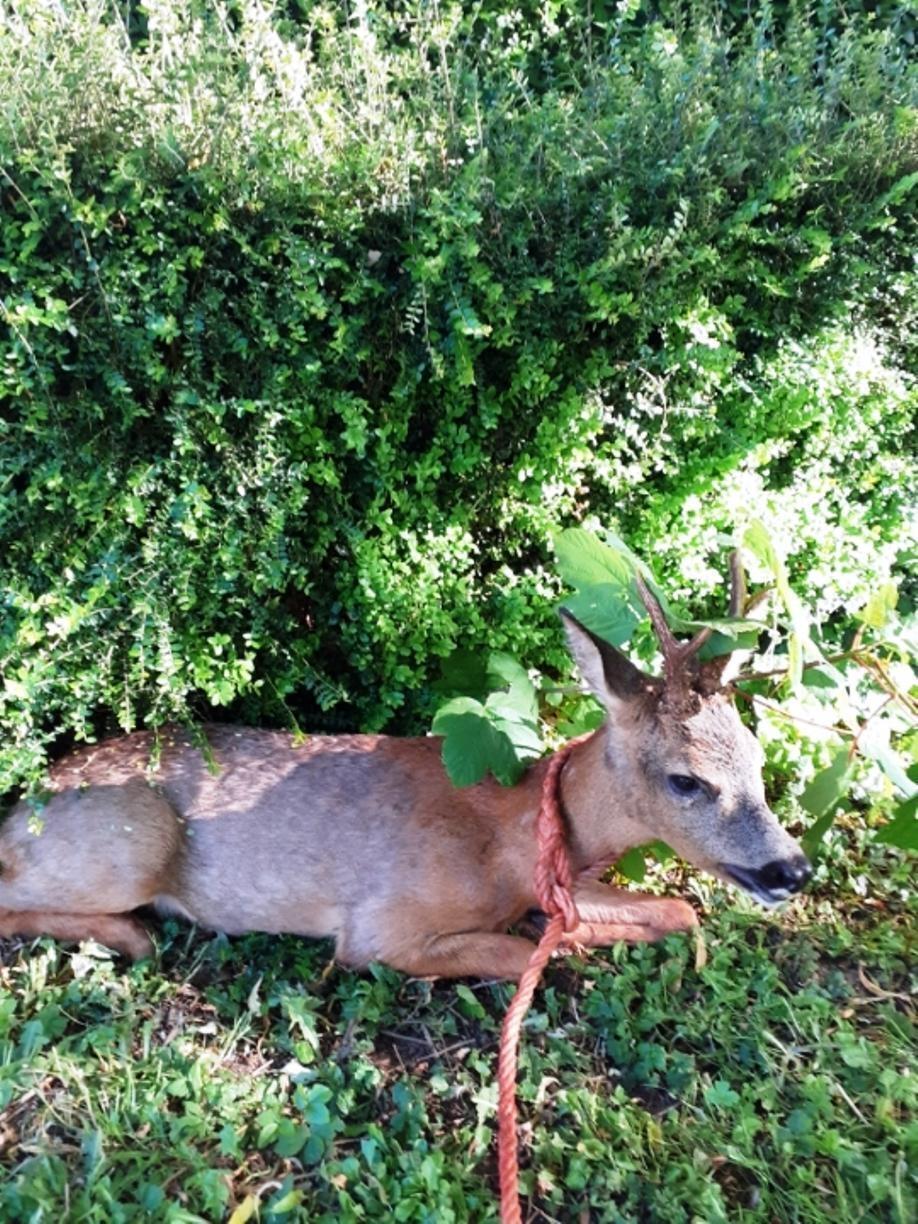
783, 875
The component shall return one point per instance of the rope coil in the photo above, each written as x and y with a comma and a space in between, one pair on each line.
553, 884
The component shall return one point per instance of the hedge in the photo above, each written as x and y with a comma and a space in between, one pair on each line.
319, 320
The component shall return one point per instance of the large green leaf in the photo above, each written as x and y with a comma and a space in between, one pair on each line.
473, 745
604, 612
463, 671
585, 561
607, 601
498, 736
524, 738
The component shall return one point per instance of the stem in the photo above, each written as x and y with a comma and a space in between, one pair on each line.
767, 705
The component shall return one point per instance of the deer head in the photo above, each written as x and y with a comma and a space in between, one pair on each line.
680, 762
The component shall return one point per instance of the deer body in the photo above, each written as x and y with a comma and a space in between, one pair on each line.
364, 839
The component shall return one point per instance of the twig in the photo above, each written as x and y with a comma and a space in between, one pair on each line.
753, 699
877, 991
854, 1109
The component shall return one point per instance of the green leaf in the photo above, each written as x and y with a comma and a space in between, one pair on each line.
524, 737
291, 1138
519, 693
470, 1003
585, 714
472, 745
585, 561
902, 830
829, 786
285, 1201
812, 838
497, 736
725, 643
875, 744
758, 540
721, 1095
464, 671
822, 678
606, 600
632, 865
732, 627
604, 611
823, 796
875, 612
899, 190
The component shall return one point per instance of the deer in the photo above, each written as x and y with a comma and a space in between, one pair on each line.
364, 840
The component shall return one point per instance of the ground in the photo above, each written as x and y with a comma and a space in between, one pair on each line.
232, 1079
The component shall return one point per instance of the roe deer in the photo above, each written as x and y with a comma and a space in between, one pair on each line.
364, 839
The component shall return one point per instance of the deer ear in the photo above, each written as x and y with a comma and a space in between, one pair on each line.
610, 676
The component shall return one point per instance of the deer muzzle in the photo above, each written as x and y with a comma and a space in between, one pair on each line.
773, 883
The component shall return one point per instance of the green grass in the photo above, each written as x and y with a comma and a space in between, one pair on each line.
773, 1084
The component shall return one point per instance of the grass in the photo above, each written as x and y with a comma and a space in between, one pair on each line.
244, 1079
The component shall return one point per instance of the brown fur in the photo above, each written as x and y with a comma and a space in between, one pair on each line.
363, 838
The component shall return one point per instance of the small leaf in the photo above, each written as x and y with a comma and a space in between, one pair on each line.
757, 539
721, 1095
818, 678
829, 786
472, 1004
504, 671
823, 796
899, 190
812, 838
632, 866
286, 1202
874, 744
244, 1211
732, 627
902, 830
875, 612
290, 1140
586, 715
725, 643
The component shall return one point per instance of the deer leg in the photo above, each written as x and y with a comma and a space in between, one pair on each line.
120, 932
482, 954
608, 915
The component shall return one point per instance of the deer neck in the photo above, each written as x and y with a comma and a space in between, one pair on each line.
602, 807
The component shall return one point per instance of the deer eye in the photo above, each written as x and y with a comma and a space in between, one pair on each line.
683, 784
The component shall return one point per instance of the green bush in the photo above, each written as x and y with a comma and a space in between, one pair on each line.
317, 322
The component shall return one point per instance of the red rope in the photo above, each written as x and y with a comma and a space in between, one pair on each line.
553, 881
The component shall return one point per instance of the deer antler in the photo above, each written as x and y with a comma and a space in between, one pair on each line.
712, 671
737, 605
675, 654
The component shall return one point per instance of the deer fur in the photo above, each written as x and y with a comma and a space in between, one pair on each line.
363, 839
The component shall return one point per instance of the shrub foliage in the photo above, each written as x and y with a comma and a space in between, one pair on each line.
318, 319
